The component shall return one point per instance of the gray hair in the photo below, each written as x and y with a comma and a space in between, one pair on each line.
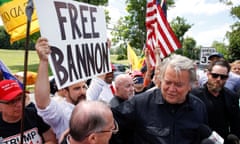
179, 63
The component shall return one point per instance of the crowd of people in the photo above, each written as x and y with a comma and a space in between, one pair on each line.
167, 104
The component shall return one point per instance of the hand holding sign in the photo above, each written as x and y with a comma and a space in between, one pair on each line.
77, 37
43, 48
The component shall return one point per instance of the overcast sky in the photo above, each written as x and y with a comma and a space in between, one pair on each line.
210, 18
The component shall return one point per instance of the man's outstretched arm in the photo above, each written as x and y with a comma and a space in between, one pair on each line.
42, 88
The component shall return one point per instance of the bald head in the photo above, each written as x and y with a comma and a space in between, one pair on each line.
120, 79
88, 117
124, 86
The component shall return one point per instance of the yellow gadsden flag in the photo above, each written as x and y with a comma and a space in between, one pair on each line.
132, 58
14, 18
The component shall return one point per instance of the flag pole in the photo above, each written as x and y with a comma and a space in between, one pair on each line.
29, 12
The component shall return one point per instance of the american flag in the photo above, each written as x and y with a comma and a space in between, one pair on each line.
159, 32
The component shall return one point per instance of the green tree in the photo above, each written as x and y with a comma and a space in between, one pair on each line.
4, 38
234, 35
221, 47
180, 27
188, 47
120, 33
131, 28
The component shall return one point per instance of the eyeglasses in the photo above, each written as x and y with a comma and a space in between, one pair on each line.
223, 77
12, 102
113, 131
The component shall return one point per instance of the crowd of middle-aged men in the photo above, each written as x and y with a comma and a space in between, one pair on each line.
170, 104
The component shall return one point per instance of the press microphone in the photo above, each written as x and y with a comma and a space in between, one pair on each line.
232, 139
206, 133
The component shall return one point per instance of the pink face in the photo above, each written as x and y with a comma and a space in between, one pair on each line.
125, 89
109, 77
12, 110
236, 68
77, 92
175, 85
216, 79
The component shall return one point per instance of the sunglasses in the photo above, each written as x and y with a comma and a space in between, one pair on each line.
223, 77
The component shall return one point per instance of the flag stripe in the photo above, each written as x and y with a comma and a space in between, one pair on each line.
159, 32
172, 36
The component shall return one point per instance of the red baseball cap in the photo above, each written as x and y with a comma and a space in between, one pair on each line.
9, 89
136, 73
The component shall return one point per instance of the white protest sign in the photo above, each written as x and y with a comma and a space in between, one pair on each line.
205, 53
77, 35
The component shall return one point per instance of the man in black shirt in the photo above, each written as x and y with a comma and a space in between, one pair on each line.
35, 129
222, 104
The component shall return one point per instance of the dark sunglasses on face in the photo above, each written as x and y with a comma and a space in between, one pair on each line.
223, 77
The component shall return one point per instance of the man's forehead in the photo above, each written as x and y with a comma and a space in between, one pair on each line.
218, 68
81, 83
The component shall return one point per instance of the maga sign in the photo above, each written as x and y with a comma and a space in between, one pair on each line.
78, 38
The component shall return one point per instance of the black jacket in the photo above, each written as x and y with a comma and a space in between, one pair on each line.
231, 106
148, 119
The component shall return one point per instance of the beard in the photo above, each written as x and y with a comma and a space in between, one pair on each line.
214, 86
81, 98
76, 101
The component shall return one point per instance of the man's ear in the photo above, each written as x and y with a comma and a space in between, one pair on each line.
65, 92
92, 138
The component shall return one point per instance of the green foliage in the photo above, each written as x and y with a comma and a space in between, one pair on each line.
221, 47
180, 27
188, 47
94, 2
131, 28
108, 18
18, 45
121, 57
114, 59
234, 47
4, 38
14, 59
235, 12
234, 36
